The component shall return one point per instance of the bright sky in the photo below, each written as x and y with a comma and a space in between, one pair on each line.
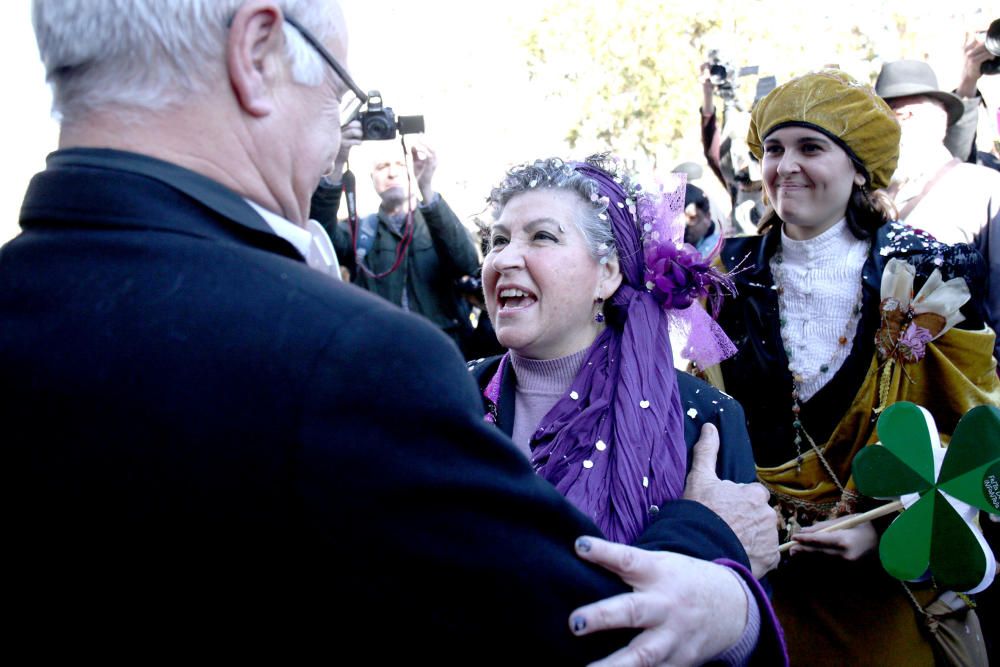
460, 64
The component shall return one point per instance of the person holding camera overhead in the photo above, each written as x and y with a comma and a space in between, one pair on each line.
408, 253
725, 150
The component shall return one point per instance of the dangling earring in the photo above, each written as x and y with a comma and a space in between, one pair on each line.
599, 317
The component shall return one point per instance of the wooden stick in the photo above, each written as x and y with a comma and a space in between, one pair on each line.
853, 521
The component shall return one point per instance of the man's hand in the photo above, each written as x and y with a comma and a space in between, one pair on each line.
350, 136
424, 166
690, 610
743, 506
849, 543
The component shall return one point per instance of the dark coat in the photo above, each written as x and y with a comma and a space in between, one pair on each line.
210, 449
441, 252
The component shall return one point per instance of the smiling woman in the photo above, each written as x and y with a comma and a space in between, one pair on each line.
828, 273
808, 178
580, 282
588, 389
543, 287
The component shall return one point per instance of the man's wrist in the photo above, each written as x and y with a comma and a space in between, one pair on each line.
429, 198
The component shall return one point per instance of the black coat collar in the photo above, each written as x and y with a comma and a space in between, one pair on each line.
64, 193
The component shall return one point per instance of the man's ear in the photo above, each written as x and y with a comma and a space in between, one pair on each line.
255, 36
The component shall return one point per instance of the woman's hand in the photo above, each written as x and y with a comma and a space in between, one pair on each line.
691, 610
743, 506
849, 543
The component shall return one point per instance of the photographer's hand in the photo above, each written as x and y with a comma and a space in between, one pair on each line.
350, 136
424, 165
975, 55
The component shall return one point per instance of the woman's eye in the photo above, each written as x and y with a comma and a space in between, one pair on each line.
544, 236
810, 148
497, 241
772, 150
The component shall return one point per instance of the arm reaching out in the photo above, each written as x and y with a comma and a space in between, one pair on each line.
690, 610
743, 506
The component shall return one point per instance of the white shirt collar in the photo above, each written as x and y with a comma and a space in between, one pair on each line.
312, 242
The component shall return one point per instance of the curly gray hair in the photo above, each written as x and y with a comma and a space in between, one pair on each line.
558, 174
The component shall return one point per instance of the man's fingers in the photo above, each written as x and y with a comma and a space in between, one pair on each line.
706, 451
646, 649
623, 560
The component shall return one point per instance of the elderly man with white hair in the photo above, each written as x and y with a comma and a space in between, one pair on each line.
216, 447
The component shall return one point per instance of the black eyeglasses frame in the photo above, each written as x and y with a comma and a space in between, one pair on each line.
328, 57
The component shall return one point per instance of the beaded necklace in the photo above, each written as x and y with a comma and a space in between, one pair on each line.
798, 379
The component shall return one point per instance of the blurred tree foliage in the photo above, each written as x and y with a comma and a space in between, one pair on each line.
629, 68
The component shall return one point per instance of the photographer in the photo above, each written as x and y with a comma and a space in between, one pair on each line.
407, 253
960, 138
726, 152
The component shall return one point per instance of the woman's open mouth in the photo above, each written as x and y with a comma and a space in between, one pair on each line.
515, 298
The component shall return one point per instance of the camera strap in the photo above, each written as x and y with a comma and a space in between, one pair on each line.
368, 227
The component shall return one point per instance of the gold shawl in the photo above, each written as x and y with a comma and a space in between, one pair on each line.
957, 373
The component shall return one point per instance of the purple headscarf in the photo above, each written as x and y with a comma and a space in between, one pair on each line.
617, 449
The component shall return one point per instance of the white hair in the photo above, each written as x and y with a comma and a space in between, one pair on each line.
151, 54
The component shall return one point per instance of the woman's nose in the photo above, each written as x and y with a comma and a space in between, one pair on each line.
508, 257
789, 163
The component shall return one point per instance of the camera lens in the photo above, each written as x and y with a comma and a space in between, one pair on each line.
992, 44
377, 128
717, 73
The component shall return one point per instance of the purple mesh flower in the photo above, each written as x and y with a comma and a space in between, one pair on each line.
677, 277
913, 342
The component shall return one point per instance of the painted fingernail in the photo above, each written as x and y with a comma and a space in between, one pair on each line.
579, 624
583, 545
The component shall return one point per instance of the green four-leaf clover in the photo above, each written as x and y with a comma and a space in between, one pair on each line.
942, 489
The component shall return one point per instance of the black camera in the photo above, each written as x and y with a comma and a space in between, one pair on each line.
992, 44
720, 73
379, 123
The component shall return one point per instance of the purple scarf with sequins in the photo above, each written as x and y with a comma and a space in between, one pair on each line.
617, 450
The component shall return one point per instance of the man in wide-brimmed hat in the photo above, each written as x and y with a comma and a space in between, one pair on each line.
954, 200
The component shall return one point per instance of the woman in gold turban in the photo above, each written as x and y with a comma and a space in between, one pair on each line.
823, 348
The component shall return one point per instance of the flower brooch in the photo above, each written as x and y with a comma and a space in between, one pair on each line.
910, 322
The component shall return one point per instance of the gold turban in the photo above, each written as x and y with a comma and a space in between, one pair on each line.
839, 106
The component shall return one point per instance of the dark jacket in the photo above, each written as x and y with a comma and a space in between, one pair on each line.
441, 252
210, 447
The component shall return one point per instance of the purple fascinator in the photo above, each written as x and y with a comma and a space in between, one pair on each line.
678, 277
